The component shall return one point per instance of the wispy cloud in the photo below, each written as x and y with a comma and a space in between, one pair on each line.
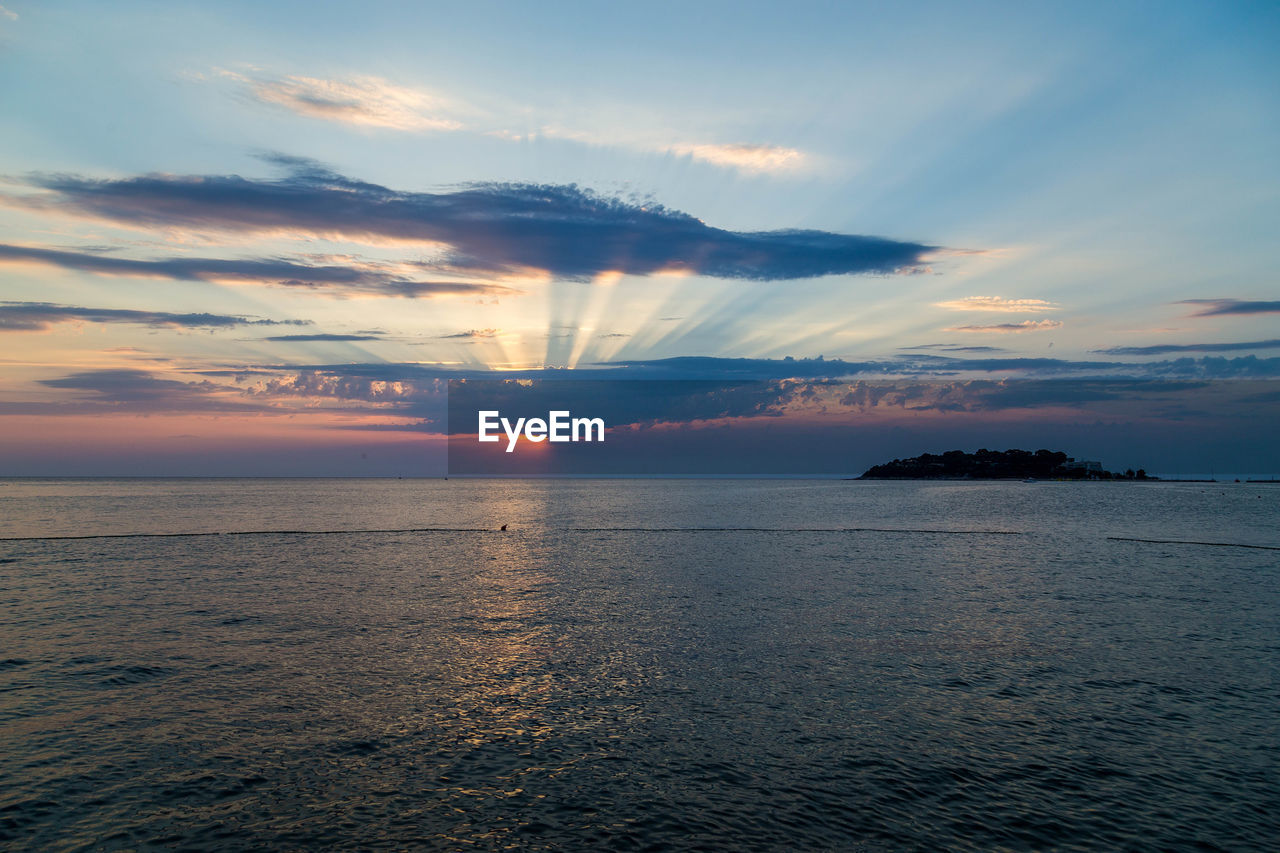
1213, 307
323, 337
563, 230
131, 390
5, 13
997, 303
748, 158
955, 348
364, 101
753, 158
369, 101
40, 316
1165, 349
353, 277
1010, 328
473, 334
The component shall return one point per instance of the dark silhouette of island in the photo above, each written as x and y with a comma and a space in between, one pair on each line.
997, 465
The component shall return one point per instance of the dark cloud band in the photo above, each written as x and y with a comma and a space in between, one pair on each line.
274, 271
1213, 307
40, 316
562, 229
1165, 349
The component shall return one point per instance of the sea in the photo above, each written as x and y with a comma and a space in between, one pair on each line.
346, 664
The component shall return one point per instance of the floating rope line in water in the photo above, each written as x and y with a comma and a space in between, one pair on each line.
245, 533
503, 530
1188, 542
388, 531
792, 530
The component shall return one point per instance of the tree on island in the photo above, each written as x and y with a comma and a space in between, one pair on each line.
996, 465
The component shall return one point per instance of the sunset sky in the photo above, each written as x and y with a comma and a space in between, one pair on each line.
259, 238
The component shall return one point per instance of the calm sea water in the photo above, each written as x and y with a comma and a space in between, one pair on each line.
871, 666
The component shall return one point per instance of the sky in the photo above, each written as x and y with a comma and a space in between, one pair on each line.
246, 238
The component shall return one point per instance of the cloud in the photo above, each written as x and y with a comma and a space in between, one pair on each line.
1213, 307
685, 389
125, 384
1007, 328
352, 278
1164, 349
956, 348
5, 13
128, 390
745, 157
374, 102
626, 404
364, 101
40, 316
323, 337
1211, 367
401, 392
710, 367
997, 303
561, 229
918, 367
131, 390
473, 334
748, 158
767, 388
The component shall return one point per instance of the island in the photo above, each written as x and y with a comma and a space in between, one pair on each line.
997, 465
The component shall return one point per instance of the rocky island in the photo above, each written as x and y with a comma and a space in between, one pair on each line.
997, 465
